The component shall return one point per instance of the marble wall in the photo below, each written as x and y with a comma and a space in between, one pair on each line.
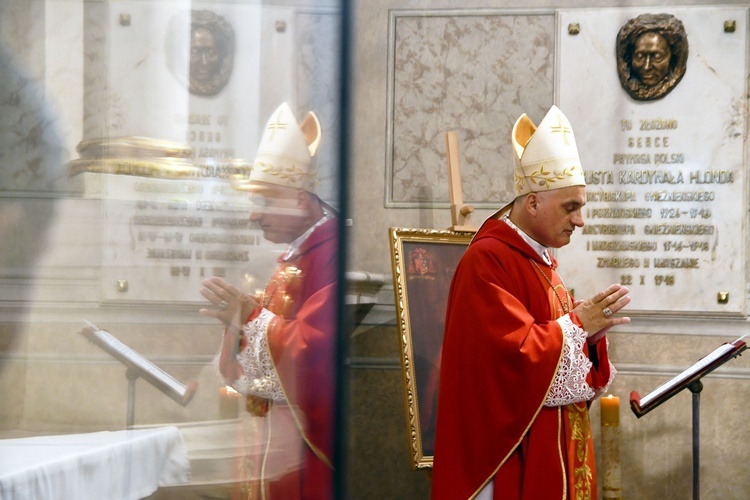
677, 169
419, 68
70, 249
655, 449
471, 73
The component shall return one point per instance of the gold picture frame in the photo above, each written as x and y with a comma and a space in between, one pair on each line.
423, 262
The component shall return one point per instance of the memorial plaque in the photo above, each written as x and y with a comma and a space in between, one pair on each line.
192, 76
666, 196
175, 105
163, 236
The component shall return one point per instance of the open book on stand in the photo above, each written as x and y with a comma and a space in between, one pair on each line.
142, 366
720, 355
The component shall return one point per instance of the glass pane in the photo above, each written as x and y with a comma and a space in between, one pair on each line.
170, 211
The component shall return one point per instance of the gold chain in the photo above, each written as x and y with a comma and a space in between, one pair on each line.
266, 295
565, 305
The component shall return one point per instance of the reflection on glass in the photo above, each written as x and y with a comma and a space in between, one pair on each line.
211, 52
278, 347
134, 173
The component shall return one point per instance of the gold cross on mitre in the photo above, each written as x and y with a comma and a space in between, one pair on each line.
273, 126
565, 130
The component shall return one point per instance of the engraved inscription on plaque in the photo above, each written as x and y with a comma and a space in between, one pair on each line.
665, 207
164, 236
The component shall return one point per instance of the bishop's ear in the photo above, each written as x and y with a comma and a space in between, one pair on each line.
303, 199
532, 202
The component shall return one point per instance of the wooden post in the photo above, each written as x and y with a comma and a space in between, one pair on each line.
460, 212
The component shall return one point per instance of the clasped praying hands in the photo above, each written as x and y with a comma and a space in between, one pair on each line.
232, 305
598, 314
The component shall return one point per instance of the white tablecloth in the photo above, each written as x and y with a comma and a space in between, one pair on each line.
128, 464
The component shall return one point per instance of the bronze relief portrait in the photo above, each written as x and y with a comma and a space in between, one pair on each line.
652, 52
207, 65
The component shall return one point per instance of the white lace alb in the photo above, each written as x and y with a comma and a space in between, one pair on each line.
570, 384
259, 377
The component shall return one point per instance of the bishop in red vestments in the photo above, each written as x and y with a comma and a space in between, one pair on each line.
521, 359
278, 348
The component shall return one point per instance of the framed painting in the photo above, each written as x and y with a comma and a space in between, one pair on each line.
423, 262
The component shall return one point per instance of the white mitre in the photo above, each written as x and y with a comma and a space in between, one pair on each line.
286, 150
545, 157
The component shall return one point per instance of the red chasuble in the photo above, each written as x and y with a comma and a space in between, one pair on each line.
302, 341
501, 352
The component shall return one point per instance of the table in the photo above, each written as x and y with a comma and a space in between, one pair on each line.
127, 464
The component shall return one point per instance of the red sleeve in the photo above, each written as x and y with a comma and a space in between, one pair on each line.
601, 371
303, 350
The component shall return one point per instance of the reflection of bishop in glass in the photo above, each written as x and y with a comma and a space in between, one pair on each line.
521, 359
278, 348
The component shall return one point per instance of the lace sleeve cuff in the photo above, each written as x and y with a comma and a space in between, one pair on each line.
570, 384
259, 377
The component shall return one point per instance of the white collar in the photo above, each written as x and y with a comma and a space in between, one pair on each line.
538, 247
294, 246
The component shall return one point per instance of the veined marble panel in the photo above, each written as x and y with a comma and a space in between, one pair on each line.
472, 72
667, 195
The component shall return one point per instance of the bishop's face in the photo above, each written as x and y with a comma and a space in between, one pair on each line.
557, 215
204, 55
651, 55
281, 212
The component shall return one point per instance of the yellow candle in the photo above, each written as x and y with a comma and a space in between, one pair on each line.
610, 407
228, 401
612, 475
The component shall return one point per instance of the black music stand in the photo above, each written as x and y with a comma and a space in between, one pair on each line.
138, 366
690, 379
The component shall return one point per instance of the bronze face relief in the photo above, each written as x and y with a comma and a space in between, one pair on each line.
652, 52
211, 52
203, 57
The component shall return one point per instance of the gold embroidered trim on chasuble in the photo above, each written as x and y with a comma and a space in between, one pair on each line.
580, 433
